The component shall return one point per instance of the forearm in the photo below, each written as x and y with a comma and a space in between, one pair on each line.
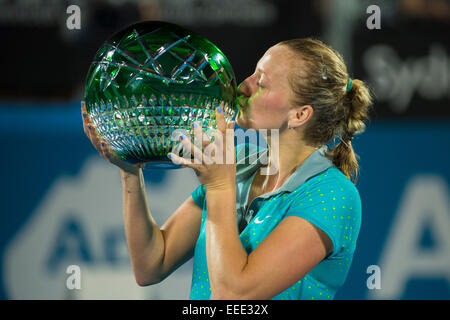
144, 238
225, 254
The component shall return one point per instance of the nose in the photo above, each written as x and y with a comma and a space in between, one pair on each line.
245, 88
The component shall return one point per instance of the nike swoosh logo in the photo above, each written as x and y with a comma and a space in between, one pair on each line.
258, 221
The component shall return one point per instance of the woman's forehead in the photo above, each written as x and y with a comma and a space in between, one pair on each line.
275, 62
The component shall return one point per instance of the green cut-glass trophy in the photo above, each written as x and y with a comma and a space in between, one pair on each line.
149, 82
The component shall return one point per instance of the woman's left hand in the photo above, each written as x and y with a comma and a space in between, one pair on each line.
215, 166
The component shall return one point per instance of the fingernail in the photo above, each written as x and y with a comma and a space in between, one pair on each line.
181, 137
89, 126
84, 115
219, 110
170, 156
103, 144
194, 125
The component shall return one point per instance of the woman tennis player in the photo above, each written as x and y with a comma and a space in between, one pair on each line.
288, 235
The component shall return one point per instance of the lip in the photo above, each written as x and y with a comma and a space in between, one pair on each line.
242, 107
242, 102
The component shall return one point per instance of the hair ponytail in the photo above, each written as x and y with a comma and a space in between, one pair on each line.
356, 103
344, 158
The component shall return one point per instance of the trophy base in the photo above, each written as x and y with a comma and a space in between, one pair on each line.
161, 163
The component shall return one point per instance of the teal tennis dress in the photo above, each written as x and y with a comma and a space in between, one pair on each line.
318, 192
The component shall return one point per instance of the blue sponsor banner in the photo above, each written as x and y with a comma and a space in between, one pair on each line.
61, 206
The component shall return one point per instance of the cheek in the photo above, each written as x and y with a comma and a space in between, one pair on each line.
274, 104
270, 108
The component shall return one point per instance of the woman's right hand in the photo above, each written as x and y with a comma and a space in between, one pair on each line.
103, 149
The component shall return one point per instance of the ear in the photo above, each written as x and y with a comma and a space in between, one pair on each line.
299, 115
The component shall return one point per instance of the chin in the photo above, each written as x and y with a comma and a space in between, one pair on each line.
242, 121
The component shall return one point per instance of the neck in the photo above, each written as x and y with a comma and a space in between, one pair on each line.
286, 153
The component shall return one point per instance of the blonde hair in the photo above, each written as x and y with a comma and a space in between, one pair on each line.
340, 110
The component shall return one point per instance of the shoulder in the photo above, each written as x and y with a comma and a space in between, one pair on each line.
331, 202
329, 184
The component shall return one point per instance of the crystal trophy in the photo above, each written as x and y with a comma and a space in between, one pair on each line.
154, 79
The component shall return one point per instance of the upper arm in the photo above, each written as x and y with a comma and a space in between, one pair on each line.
287, 254
180, 234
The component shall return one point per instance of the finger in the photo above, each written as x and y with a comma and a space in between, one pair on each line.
200, 135
224, 144
183, 161
230, 130
192, 148
83, 107
84, 115
104, 151
86, 121
87, 125
208, 145
92, 135
230, 151
89, 130
220, 118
